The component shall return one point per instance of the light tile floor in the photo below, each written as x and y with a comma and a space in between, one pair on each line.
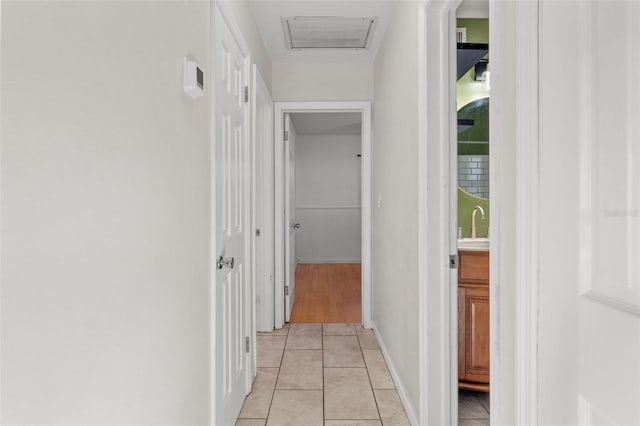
473, 408
315, 374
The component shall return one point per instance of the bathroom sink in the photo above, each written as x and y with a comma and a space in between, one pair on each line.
479, 244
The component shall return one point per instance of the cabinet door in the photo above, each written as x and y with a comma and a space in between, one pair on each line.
476, 312
461, 336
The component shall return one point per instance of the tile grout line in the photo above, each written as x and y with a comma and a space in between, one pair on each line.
473, 395
323, 369
275, 385
305, 349
375, 400
485, 408
345, 368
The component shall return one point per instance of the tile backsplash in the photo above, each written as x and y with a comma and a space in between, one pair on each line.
473, 174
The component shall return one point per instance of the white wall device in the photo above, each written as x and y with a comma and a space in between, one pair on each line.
193, 79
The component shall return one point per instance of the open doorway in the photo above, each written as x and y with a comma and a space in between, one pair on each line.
513, 173
323, 173
472, 206
325, 195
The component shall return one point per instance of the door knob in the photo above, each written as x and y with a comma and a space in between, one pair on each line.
228, 262
296, 226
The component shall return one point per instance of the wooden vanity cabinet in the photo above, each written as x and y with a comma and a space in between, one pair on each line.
473, 320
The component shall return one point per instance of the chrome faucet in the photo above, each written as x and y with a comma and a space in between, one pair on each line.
473, 219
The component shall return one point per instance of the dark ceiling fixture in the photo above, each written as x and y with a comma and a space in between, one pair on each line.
468, 56
481, 69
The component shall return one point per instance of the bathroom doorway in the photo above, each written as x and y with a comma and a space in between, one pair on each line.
473, 83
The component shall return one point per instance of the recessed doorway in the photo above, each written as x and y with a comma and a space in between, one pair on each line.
328, 217
323, 170
471, 162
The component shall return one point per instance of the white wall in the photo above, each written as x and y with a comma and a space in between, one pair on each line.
328, 198
502, 162
395, 179
105, 214
325, 81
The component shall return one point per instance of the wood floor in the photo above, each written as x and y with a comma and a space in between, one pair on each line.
328, 293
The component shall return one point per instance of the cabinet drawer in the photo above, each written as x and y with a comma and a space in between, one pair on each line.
473, 267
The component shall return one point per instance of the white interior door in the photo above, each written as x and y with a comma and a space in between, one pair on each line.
290, 215
231, 222
589, 332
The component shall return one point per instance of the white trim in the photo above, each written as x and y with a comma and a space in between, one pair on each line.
328, 208
264, 244
1, 233
278, 229
501, 167
289, 189
229, 18
365, 203
453, 216
315, 261
213, 218
527, 231
423, 383
438, 313
613, 302
413, 419
249, 318
365, 109
221, 6
438, 350
253, 217
250, 293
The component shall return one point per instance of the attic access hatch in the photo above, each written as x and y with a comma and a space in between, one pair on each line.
328, 32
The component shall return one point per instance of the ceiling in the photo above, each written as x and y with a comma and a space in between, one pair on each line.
327, 123
268, 15
473, 9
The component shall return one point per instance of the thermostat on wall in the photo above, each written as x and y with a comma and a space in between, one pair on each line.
193, 79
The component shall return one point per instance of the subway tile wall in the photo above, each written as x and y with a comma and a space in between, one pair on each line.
473, 174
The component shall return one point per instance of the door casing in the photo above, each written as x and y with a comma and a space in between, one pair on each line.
513, 253
280, 109
291, 260
262, 147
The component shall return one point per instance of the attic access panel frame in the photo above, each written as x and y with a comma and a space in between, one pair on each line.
328, 32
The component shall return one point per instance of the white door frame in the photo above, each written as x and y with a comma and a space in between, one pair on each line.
521, 106
262, 112
221, 7
513, 175
287, 107
290, 216
437, 336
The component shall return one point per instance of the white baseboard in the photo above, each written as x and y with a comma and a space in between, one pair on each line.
411, 414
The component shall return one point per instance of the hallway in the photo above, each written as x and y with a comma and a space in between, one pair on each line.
328, 293
146, 233
315, 374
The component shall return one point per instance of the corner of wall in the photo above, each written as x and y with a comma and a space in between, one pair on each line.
402, 392
395, 288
